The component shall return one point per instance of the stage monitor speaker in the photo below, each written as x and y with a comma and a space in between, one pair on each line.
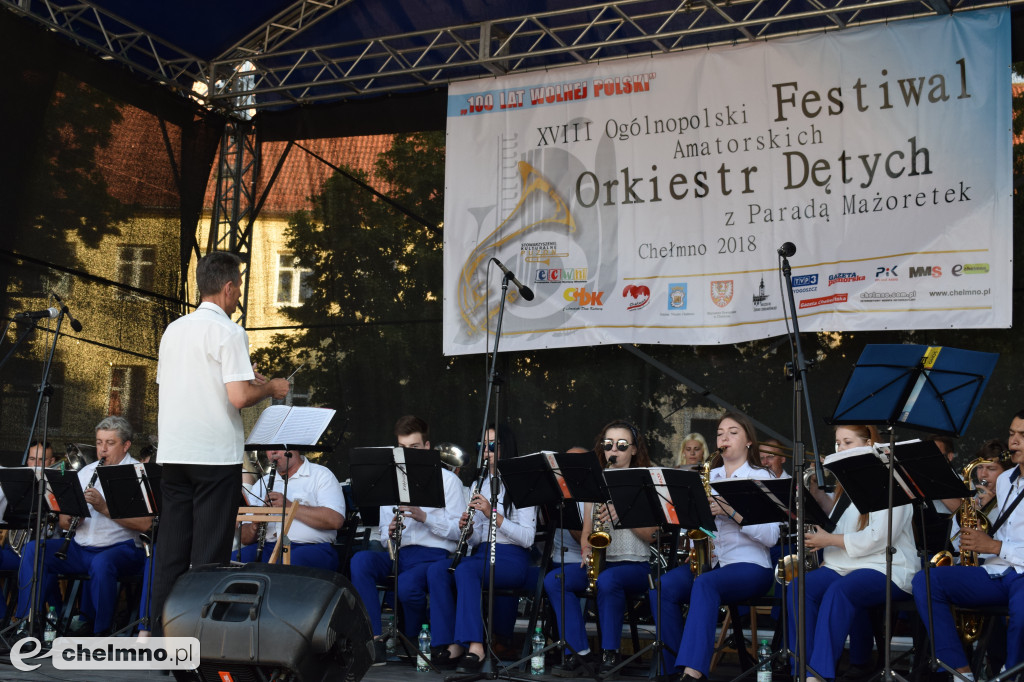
255, 621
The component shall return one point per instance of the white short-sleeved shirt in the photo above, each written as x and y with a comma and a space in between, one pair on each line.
98, 530
441, 529
312, 485
199, 354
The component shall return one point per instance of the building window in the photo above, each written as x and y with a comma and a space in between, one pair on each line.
127, 395
20, 395
293, 280
135, 266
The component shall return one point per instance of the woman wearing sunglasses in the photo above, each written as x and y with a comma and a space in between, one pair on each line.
743, 569
457, 627
619, 446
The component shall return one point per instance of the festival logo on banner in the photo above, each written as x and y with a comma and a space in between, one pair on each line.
721, 292
762, 301
637, 296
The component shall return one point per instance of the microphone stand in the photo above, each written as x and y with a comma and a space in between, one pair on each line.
488, 670
800, 394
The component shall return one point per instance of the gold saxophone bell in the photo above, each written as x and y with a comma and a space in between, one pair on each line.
600, 537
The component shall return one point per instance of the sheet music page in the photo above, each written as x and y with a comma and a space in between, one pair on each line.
403, 476
291, 425
269, 422
668, 507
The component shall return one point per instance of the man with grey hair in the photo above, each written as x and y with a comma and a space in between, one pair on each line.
105, 549
205, 377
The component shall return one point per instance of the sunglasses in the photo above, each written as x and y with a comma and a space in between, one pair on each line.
621, 445
490, 446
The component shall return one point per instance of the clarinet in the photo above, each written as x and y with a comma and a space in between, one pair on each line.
460, 549
62, 553
261, 532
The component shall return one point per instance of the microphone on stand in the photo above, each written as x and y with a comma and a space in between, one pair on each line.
787, 249
524, 291
75, 324
37, 314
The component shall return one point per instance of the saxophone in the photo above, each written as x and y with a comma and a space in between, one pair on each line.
600, 537
968, 625
700, 542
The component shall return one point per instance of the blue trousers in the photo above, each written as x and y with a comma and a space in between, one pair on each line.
841, 602
970, 585
460, 618
693, 644
104, 565
315, 555
616, 580
370, 568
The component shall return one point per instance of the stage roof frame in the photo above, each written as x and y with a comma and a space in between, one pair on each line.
242, 58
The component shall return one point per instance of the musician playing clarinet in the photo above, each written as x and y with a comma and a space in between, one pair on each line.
106, 549
428, 536
997, 582
319, 515
456, 622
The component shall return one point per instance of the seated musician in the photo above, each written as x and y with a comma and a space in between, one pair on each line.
693, 452
456, 622
996, 582
106, 549
619, 445
852, 575
319, 515
743, 569
429, 535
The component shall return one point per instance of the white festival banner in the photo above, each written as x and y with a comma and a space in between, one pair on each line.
645, 200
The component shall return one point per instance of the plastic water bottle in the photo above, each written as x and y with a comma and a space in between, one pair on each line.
537, 659
50, 632
423, 664
764, 663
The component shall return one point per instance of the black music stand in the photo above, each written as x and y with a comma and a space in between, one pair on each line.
767, 501
538, 480
926, 387
658, 497
133, 491
393, 476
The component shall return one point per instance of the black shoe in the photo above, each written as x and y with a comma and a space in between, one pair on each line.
470, 664
380, 652
609, 659
444, 660
857, 673
577, 665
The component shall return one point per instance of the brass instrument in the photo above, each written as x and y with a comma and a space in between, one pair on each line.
969, 625
261, 529
788, 568
600, 537
452, 456
256, 463
394, 539
62, 553
700, 542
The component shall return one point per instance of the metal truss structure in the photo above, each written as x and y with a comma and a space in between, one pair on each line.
284, 62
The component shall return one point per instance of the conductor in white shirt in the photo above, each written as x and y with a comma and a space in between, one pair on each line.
205, 377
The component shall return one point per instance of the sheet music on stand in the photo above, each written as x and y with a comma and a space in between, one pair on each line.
659, 496
767, 501
385, 476
289, 428
920, 472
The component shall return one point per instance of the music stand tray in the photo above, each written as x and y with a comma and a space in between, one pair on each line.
767, 501
930, 388
131, 491
67, 495
387, 476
